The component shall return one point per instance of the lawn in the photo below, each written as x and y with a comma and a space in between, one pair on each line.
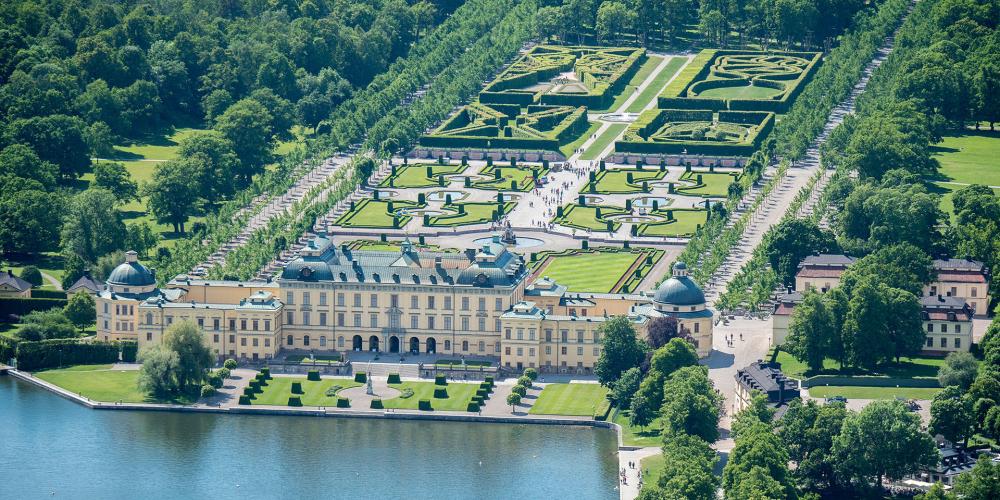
279, 389
947, 192
569, 399
926, 367
640, 76
568, 149
459, 396
585, 217
684, 223
861, 392
741, 92
374, 213
596, 272
616, 181
156, 147
475, 213
712, 185
656, 86
969, 158
415, 176
638, 436
48, 263
101, 383
521, 176
603, 141
652, 468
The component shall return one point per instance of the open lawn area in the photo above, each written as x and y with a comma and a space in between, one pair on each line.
907, 368
279, 389
374, 213
585, 217
616, 181
569, 399
415, 176
969, 158
656, 86
596, 271
568, 149
459, 396
712, 185
154, 147
947, 191
652, 468
49, 263
741, 92
475, 213
684, 223
852, 392
644, 71
101, 383
603, 141
511, 178
638, 436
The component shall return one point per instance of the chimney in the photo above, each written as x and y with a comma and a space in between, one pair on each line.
131, 256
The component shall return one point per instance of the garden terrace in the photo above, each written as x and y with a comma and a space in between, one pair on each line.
459, 396
679, 222
741, 80
597, 270
469, 213
314, 392
707, 184
377, 214
509, 126
579, 400
392, 246
420, 175
592, 217
572, 76
624, 181
102, 383
513, 178
697, 132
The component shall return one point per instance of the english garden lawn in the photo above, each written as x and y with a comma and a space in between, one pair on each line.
475, 213
101, 383
459, 396
373, 213
858, 392
970, 158
589, 272
279, 389
925, 367
569, 399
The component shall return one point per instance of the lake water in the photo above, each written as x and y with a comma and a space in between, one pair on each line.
53, 448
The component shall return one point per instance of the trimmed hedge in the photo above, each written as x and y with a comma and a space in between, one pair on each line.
20, 307
424, 405
244, 400
343, 403
297, 388
294, 401
130, 351
361, 377
64, 352
472, 408
41, 293
249, 392
377, 404
254, 386
394, 378
440, 393
440, 379
266, 372
312, 375
602, 410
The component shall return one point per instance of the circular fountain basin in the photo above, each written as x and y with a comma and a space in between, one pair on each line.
591, 199
521, 242
647, 202
443, 195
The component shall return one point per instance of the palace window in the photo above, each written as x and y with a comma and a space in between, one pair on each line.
322, 319
256, 325
563, 350
482, 324
357, 300
289, 318
548, 335
499, 304
340, 341
290, 340
520, 334
579, 336
465, 346
958, 328
930, 327
305, 298
357, 320
232, 325
520, 351
322, 298
548, 349
465, 303
565, 335
267, 324
482, 346
374, 320
374, 300
149, 336
465, 323
430, 322
930, 341
696, 327
289, 298
447, 345
256, 342
340, 319
243, 341
958, 343
322, 341
506, 333
531, 352
482, 303
305, 340
414, 302
215, 322
243, 324
340, 299
414, 321
430, 302
447, 322
305, 318
944, 342
215, 338
267, 343
506, 351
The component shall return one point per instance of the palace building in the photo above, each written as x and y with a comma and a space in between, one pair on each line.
334, 299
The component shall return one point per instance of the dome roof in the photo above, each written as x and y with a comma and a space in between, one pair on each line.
131, 274
679, 290
307, 269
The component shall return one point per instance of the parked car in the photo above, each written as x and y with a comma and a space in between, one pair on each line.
836, 399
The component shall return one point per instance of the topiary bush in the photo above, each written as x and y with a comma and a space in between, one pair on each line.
519, 390
214, 380
360, 377
230, 364
533, 373
223, 373
394, 378
472, 408
377, 404
294, 401
297, 388
244, 400
248, 392
254, 385
440, 379
524, 380
343, 403
261, 379
406, 393
266, 372
440, 393
313, 375
207, 391
424, 405
489, 380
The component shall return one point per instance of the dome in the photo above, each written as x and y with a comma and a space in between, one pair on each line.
307, 269
131, 273
679, 290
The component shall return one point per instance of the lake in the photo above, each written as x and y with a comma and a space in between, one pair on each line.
53, 448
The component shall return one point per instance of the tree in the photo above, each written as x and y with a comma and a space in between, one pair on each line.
884, 440
81, 310
513, 399
936, 492
690, 403
647, 400
247, 125
905, 329
621, 349
32, 275
173, 192
951, 415
58, 139
663, 328
531, 373
158, 374
757, 411
959, 369
614, 19
866, 329
113, 177
676, 354
808, 430
811, 331
902, 266
758, 464
794, 239
982, 482
688, 462
19, 160
50, 324
92, 225
625, 387
29, 218
874, 217
216, 161
193, 357
141, 238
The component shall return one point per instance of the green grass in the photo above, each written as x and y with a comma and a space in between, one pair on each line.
603, 141
741, 92
569, 399
278, 389
585, 217
654, 88
101, 383
415, 176
969, 158
947, 192
459, 396
652, 468
684, 223
568, 149
596, 272
926, 367
616, 181
522, 176
861, 392
475, 213
640, 76
713, 184
639, 436
374, 213
158, 147
48, 263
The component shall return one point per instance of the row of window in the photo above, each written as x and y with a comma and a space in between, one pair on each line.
518, 334
430, 322
944, 328
373, 301
548, 351
944, 342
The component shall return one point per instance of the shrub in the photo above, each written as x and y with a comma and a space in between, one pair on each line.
214, 380
261, 380
377, 404
244, 400
478, 400
472, 408
482, 392
524, 380
224, 373
343, 403
255, 386
440, 379
333, 390
266, 372
207, 391
294, 401
312, 375
33, 356
519, 390
533, 373
602, 410
360, 377
440, 393
406, 393
424, 405
296, 387
394, 378
130, 350
230, 364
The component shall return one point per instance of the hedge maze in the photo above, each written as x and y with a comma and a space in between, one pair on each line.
693, 132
